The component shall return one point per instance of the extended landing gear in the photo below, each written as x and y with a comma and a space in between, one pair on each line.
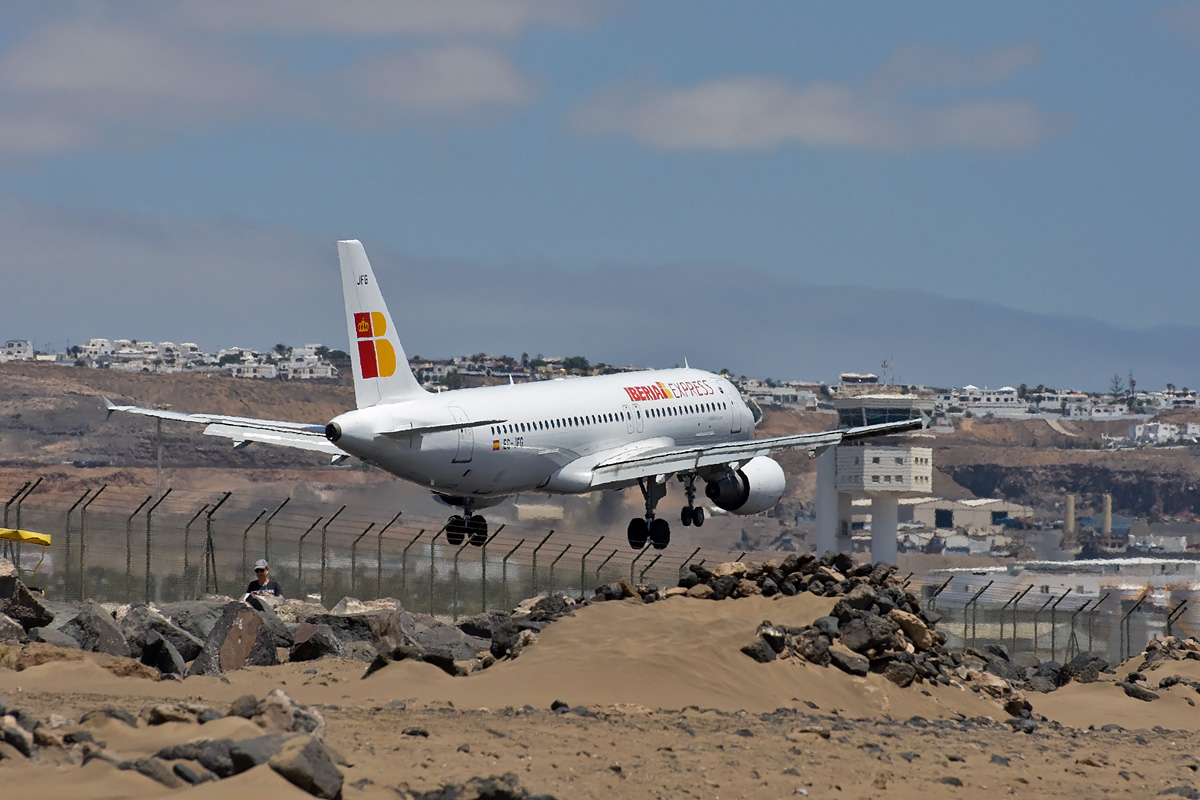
691, 515
650, 528
466, 527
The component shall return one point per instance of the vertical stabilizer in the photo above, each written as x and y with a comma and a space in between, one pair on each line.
381, 372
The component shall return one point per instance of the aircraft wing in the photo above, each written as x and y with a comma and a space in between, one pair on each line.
242, 430
625, 466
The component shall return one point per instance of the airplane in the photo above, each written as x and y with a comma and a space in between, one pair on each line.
475, 447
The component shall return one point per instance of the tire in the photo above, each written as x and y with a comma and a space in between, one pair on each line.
660, 534
697, 516
478, 530
456, 531
638, 533
685, 516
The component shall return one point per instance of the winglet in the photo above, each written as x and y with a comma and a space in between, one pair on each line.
109, 407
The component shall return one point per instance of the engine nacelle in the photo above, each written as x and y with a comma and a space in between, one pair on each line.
755, 487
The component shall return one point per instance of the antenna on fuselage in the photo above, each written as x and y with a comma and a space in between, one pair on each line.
685, 364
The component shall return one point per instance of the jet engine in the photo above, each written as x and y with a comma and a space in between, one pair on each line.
755, 487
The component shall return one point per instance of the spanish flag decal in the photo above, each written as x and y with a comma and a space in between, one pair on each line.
376, 356
495, 444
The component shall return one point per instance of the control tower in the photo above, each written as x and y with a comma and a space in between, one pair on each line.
882, 472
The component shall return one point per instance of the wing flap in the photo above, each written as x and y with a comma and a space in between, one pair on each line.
303, 440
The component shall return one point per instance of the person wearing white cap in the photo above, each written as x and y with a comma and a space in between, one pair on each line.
262, 583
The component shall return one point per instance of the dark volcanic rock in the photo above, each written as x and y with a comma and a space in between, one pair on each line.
868, 632
900, 673
506, 639
851, 663
308, 764
140, 620
212, 754
1138, 692
158, 652
760, 651
53, 636
17, 602
197, 617
239, 639
311, 642
812, 645
97, 632
371, 626
448, 642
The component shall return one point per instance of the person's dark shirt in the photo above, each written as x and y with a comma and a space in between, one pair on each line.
271, 587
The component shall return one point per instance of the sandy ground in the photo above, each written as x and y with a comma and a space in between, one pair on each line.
678, 712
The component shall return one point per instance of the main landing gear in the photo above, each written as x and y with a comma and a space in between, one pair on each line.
691, 514
650, 528
465, 526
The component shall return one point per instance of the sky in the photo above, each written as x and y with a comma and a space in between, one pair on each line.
637, 182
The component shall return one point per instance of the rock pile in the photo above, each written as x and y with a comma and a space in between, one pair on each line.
291, 743
217, 634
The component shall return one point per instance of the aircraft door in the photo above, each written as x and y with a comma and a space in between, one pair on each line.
466, 437
628, 418
736, 410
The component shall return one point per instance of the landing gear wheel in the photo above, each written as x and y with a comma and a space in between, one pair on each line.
456, 530
697, 516
477, 528
660, 534
639, 531
685, 516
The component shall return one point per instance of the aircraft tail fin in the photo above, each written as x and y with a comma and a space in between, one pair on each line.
381, 371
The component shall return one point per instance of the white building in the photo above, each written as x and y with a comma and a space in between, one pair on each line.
17, 350
96, 348
305, 364
1002, 402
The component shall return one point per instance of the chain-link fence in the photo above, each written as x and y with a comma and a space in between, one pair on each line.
1041, 616
119, 545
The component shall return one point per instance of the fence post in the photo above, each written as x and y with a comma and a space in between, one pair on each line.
483, 568
633, 563
149, 534
583, 568
602, 563
504, 572
325, 549
1073, 641
933, 597
454, 588
1053, 623
974, 604
354, 560
379, 555
1017, 602
1035, 622
1006, 603
555, 561
1125, 643
187, 532
22, 499
1092, 617
404, 566
246, 541
642, 574
433, 565
67, 550
1175, 614
129, 548
83, 526
13, 499
267, 529
301, 588
535, 552
210, 552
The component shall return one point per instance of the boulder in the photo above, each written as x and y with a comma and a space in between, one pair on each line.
197, 617
158, 652
481, 625
860, 598
773, 635
18, 603
308, 764
723, 587
505, 639
848, 662
827, 626
447, 642
370, 626
729, 569
292, 611
311, 642
140, 620
760, 651
97, 632
212, 754
53, 636
701, 591
265, 606
10, 629
239, 639
913, 627
279, 713
812, 645
900, 673
1086, 667
868, 632
1138, 692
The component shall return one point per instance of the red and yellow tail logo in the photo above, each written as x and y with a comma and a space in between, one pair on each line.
375, 354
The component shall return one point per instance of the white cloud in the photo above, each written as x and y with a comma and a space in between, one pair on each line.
759, 112
445, 81
375, 18
96, 75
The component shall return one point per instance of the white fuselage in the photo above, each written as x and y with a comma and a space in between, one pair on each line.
534, 430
